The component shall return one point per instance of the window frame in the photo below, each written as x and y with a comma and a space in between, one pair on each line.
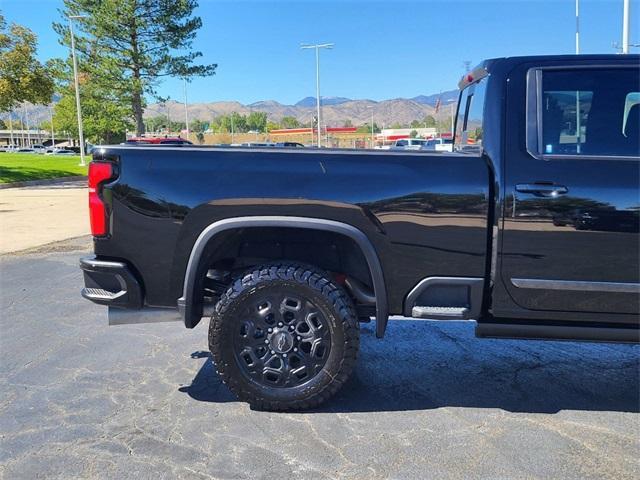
534, 109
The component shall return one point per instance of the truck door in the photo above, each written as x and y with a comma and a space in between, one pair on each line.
570, 239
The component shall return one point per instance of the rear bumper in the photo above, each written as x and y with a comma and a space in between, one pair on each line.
110, 283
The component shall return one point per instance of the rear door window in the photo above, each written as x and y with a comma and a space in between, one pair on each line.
584, 112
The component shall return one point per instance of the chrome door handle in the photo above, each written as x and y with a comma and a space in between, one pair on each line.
542, 189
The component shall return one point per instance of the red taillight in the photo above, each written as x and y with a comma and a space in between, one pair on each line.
98, 173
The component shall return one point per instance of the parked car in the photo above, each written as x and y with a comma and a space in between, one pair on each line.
286, 251
157, 141
62, 151
439, 144
25, 150
409, 144
39, 148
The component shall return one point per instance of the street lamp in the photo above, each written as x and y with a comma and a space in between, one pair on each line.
371, 142
317, 48
186, 111
53, 137
77, 86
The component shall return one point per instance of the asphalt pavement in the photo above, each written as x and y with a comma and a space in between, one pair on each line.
79, 399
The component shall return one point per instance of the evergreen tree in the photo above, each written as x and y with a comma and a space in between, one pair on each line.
134, 43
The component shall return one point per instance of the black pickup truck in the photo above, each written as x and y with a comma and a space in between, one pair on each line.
530, 227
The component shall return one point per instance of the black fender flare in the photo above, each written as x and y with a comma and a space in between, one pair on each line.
186, 304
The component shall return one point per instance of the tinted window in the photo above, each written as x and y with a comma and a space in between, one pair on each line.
590, 112
469, 134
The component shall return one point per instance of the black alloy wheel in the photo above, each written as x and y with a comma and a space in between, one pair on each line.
284, 336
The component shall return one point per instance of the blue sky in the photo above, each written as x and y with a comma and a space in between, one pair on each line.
382, 49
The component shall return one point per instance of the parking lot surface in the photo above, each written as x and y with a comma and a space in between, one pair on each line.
79, 399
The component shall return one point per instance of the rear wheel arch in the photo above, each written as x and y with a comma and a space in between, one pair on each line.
191, 306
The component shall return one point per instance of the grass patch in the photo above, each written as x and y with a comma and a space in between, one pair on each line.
21, 167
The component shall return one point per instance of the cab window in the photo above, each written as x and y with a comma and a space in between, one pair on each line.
584, 112
469, 120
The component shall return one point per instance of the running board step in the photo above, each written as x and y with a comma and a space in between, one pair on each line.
440, 313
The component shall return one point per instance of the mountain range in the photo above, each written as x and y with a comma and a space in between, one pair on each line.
335, 110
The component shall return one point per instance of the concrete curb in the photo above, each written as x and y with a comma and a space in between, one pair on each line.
47, 181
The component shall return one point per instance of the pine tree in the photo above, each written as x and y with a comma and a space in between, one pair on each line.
134, 43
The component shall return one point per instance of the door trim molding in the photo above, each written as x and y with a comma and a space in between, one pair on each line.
545, 284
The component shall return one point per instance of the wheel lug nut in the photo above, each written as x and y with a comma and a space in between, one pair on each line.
284, 355
266, 341
295, 349
272, 352
280, 324
270, 330
292, 328
299, 338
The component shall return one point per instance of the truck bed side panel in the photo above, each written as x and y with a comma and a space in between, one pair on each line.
426, 214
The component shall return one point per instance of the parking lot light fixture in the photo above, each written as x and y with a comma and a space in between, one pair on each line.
317, 48
77, 86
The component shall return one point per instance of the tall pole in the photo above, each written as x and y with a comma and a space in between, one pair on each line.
317, 48
53, 136
372, 127
26, 123
577, 27
625, 27
318, 90
77, 87
11, 127
186, 111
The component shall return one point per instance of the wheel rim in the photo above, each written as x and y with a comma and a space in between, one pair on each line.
282, 340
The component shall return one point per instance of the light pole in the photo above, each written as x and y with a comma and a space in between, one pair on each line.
11, 127
26, 123
625, 27
186, 111
77, 86
577, 27
371, 142
317, 48
53, 136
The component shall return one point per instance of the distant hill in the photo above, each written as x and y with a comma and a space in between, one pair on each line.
311, 101
335, 110
432, 99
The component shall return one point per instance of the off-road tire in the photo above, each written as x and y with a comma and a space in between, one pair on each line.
290, 279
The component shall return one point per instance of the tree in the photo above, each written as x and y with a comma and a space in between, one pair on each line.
347, 123
134, 43
396, 125
257, 121
366, 128
289, 122
104, 119
273, 126
429, 121
413, 133
3, 126
22, 77
415, 124
105, 116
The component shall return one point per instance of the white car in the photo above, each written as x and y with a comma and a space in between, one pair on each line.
39, 148
440, 144
62, 151
409, 144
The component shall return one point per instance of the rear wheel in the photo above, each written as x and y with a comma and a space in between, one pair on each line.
284, 336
